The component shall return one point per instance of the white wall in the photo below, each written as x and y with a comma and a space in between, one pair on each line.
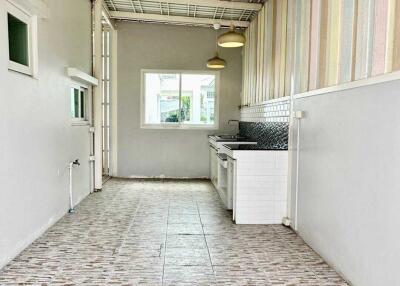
349, 183
37, 139
173, 153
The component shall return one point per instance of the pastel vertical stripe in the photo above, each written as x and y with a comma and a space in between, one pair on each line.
277, 50
283, 47
297, 50
323, 45
347, 40
379, 37
302, 46
314, 40
333, 42
265, 57
365, 21
290, 47
270, 49
245, 73
396, 38
260, 56
253, 62
262, 28
305, 44
267, 51
354, 46
392, 38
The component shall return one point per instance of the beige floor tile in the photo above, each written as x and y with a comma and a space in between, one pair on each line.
170, 232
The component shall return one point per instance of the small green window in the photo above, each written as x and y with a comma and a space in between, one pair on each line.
78, 103
18, 40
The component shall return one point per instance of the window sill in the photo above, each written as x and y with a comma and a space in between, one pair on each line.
80, 123
178, 127
21, 69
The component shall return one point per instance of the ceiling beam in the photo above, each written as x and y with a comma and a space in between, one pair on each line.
175, 19
218, 3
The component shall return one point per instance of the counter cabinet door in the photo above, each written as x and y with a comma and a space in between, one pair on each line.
213, 166
231, 184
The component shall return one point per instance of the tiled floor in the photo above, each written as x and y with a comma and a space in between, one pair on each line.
164, 233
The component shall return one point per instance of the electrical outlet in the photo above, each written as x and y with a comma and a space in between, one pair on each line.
298, 114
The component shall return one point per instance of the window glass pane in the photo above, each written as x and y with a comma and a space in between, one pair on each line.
74, 103
161, 98
18, 40
198, 99
83, 104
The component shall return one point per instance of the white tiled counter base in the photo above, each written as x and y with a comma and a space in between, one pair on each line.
260, 193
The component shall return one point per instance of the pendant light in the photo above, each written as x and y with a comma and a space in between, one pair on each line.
216, 62
231, 39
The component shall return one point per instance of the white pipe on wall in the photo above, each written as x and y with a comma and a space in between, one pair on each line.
71, 201
298, 115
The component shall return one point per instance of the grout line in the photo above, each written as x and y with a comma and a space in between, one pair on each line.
124, 235
204, 235
165, 246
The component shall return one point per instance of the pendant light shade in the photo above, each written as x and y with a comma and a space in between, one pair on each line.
216, 62
231, 39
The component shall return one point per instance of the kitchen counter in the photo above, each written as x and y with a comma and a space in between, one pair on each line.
239, 139
218, 143
250, 147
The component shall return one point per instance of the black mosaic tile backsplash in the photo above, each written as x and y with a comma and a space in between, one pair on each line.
269, 135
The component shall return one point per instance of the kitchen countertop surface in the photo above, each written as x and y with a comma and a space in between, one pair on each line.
240, 139
247, 147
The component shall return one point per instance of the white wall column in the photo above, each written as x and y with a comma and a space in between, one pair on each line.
98, 93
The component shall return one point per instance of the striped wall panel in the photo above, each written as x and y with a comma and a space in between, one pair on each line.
298, 45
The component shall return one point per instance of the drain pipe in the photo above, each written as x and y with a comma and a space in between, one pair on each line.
70, 167
298, 115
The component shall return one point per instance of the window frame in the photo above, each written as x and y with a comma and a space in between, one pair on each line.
178, 125
31, 22
80, 120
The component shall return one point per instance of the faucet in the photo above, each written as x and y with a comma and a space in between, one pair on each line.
232, 120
